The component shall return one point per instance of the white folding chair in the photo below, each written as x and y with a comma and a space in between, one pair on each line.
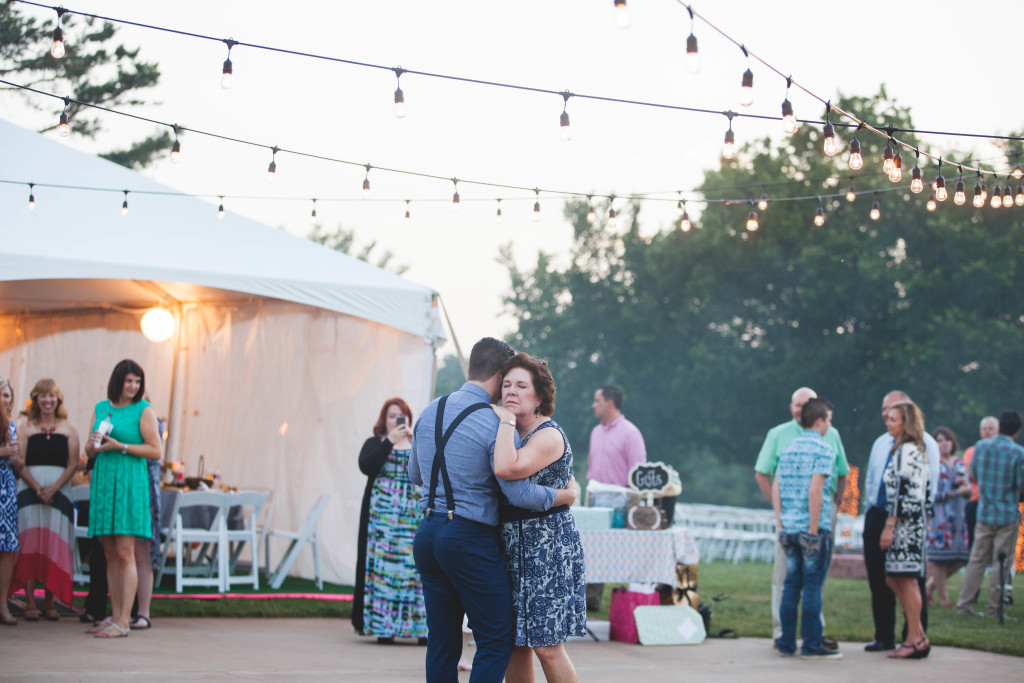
249, 504
306, 534
263, 521
214, 537
79, 494
170, 499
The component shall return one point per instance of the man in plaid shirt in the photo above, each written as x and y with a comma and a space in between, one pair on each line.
998, 467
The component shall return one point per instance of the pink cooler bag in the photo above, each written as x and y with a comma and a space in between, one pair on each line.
621, 623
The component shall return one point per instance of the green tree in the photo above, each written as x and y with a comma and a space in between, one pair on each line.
92, 70
709, 331
450, 377
343, 240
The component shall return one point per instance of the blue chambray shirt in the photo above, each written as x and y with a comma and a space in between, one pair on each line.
469, 457
998, 466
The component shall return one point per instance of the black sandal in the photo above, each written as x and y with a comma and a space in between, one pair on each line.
140, 623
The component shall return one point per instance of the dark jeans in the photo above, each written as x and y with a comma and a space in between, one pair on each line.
971, 517
463, 572
806, 566
883, 600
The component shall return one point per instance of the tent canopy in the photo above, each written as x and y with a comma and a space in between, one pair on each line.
169, 239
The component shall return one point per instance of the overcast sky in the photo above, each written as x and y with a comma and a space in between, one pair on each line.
954, 64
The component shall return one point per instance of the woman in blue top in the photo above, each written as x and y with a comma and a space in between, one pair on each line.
543, 552
10, 457
119, 493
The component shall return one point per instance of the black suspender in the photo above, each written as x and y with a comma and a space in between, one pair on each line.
439, 464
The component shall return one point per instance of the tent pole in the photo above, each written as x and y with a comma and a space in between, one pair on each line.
173, 428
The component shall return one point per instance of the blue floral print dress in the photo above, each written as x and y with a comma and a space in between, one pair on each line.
544, 559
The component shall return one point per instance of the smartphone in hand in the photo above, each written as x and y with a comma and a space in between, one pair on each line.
400, 420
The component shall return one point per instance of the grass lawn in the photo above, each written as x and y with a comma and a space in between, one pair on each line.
746, 611
847, 610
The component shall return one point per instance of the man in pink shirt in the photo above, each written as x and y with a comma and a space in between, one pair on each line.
615, 444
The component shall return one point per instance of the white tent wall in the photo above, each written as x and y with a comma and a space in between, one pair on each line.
79, 349
282, 396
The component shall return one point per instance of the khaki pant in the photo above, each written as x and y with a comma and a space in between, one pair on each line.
779, 578
989, 541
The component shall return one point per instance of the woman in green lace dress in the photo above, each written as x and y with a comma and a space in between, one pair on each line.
119, 494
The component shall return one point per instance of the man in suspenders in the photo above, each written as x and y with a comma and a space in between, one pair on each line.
457, 547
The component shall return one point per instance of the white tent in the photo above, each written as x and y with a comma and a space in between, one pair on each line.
284, 350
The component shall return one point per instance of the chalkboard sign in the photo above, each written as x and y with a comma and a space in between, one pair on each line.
649, 477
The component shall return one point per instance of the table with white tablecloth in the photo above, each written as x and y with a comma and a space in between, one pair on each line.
631, 556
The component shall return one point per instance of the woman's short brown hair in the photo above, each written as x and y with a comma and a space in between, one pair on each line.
948, 435
379, 429
116, 384
543, 382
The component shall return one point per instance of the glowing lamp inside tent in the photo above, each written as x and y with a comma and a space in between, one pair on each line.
158, 324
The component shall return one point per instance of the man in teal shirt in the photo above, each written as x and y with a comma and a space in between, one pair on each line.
764, 471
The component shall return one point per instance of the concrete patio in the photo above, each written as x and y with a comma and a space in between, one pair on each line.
213, 649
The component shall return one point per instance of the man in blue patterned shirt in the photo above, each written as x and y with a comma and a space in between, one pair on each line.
998, 467
803, 517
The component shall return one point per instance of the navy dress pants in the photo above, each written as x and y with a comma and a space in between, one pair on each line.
883, 600
463, 571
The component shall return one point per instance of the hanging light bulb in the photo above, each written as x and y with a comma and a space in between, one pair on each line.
1017, 172
831, 142
887, 159
220, 209
819, 217
979, 196
684, 222
851, 194
747, 88
64, 126
896, 174
752, 220
455, 197
366, 182
591, 214
940, 188
227, 71
997, 196
679, 209
124, 205
959, 196
563, 119
856, 158
930, 205
692, 57
622, 19
876, 212
272, 168
399, 95
497, 215
536, 206
1007, 196
789, 122
312, 216
408, 215
1018, 196
916, 182
176, 147
762, 203
31, 197
729, 145
57, 49
611, 218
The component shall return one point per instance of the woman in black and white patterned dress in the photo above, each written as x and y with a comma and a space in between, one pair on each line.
906, 530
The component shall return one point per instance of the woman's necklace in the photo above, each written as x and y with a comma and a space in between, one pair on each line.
529, 430
48, 431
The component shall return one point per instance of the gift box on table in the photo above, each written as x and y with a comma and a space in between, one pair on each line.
593, 518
